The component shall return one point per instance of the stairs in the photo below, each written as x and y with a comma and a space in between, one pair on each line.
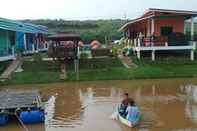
10, 69
127, 62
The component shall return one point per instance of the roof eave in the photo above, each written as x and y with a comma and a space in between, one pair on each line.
123, 28
174, 11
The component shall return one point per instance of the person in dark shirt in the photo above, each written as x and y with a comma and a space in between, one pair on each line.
125, 100
124, 105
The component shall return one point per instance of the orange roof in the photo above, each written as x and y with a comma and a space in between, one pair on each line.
153, 12
95, 42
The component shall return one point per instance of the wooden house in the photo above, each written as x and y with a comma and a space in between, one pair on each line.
161, 30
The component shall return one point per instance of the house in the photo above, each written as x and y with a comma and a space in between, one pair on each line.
15, 35
34, 40
161, 30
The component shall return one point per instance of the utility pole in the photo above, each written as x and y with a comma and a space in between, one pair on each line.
125, 16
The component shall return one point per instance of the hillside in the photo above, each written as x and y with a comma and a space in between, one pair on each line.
103, 30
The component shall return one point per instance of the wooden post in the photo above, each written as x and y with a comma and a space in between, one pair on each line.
138, 54
76, 61
63, 73
148, 28
152, 30
25, 42
77, 68
152, 26
192, 28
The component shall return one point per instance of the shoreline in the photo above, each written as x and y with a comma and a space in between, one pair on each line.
41, 72
98, 80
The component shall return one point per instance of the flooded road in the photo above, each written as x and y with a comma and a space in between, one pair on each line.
166, 105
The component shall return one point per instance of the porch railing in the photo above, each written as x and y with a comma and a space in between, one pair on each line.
176, 40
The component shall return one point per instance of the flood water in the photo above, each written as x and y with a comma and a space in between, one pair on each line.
166, 105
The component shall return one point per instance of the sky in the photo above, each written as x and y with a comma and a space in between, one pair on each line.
86, 9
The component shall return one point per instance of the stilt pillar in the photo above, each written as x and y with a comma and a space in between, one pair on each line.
138, 55
63, 73
153, 55
192, 28
76, 61
192, 55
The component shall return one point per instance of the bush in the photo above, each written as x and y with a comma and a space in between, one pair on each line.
84, 55
99, 63
115, 51
101, 52
37, 57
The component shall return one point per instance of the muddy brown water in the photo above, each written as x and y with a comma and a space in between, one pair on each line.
166, 105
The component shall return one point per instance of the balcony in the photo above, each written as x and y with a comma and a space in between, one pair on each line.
176, 42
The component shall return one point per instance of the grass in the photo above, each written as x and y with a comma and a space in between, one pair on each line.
105, 69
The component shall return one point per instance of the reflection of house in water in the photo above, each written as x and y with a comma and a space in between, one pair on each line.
156, 95
67, 107
191, 101
92, 95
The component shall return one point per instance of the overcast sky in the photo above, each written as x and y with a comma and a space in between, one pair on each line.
86, 9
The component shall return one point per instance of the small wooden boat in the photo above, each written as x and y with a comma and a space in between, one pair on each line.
125, 121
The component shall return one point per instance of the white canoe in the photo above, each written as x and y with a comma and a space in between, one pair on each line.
125, 121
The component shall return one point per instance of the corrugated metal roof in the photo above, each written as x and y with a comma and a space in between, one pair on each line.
13, 25
36, 28
143, 17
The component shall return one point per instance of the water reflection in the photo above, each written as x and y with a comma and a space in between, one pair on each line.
65, 109
191, 101
167, 105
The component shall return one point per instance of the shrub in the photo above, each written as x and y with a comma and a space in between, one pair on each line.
37, 57
84, 55
115, 51
101, 52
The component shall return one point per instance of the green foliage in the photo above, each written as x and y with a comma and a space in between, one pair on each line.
19, 51
84, 55
103, 30
96, 69
4, 65
99, 63
101, 52
115, 51
37, 57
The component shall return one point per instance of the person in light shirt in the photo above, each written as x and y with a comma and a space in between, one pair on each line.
133, 113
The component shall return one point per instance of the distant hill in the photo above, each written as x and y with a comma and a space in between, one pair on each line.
103, 30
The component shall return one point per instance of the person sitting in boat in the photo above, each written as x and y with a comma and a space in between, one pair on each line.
133, 113
124, 104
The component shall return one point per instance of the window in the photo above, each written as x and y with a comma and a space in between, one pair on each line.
166, 30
